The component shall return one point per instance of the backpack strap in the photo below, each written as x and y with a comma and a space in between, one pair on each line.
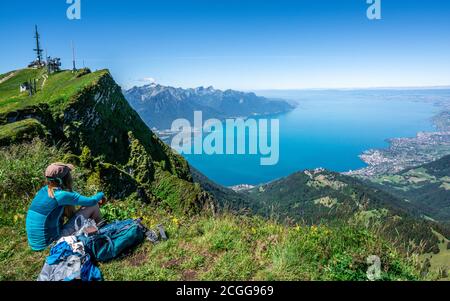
151, 236
102, 237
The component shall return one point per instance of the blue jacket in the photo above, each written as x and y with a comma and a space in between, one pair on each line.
44, 220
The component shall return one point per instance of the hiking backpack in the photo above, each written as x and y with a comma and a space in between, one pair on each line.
114, 239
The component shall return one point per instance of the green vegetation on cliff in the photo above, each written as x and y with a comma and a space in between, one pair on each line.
86, 112
203, 246
20, 131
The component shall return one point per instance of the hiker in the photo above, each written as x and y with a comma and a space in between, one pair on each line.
44, 223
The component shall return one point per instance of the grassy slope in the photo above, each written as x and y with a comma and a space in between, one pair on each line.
227, 247
58, 89
326, 197
226, 197
201, 247
427, 188
441, 261
21, 130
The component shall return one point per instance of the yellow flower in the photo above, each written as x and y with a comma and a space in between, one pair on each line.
17, 217
176, 221
253, 230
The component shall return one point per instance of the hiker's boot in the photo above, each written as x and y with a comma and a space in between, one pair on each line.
162, 232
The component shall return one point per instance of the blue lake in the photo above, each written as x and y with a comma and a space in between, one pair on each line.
329, 129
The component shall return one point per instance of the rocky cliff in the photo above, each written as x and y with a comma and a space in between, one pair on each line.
87, 114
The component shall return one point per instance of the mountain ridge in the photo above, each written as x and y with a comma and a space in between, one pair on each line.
159, 105
324, 197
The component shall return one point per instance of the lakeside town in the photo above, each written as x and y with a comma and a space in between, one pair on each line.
408, 152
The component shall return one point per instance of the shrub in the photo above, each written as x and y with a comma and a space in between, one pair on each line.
22, 167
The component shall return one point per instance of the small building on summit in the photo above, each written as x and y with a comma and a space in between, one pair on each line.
53, 65
29, 86
36, 64
25, 87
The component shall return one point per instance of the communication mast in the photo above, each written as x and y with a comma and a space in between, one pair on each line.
73, 58
38, 49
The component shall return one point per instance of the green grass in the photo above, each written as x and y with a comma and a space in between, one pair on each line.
201, 246
441, 261
229, 247
225, 247
2, 76
412, 179
9, 90
57, 91
19, 131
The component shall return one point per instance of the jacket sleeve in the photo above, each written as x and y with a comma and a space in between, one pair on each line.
65, 198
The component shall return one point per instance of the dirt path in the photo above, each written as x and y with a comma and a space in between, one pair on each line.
6, 78
45, 77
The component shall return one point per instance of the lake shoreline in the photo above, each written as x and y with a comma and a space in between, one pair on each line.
332, 131
406, 152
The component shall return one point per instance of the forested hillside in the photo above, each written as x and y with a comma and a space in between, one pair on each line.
425, 187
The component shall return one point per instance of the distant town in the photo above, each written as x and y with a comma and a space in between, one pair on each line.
408, 152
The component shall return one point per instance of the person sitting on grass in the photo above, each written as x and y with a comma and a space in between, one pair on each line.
44, 222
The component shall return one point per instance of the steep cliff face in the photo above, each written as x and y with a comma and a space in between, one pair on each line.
87, 113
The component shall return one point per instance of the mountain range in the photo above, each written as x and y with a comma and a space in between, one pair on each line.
160, 105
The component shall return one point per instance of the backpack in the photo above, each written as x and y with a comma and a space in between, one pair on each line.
114, 239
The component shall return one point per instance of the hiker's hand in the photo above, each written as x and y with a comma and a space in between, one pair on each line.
103, 201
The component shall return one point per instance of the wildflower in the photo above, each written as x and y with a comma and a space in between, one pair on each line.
18, 217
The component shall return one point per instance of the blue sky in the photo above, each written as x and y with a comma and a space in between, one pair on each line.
246, 44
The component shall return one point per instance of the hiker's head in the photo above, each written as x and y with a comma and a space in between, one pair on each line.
59, 176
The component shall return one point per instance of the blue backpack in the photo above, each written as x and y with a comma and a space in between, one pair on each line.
114, 239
